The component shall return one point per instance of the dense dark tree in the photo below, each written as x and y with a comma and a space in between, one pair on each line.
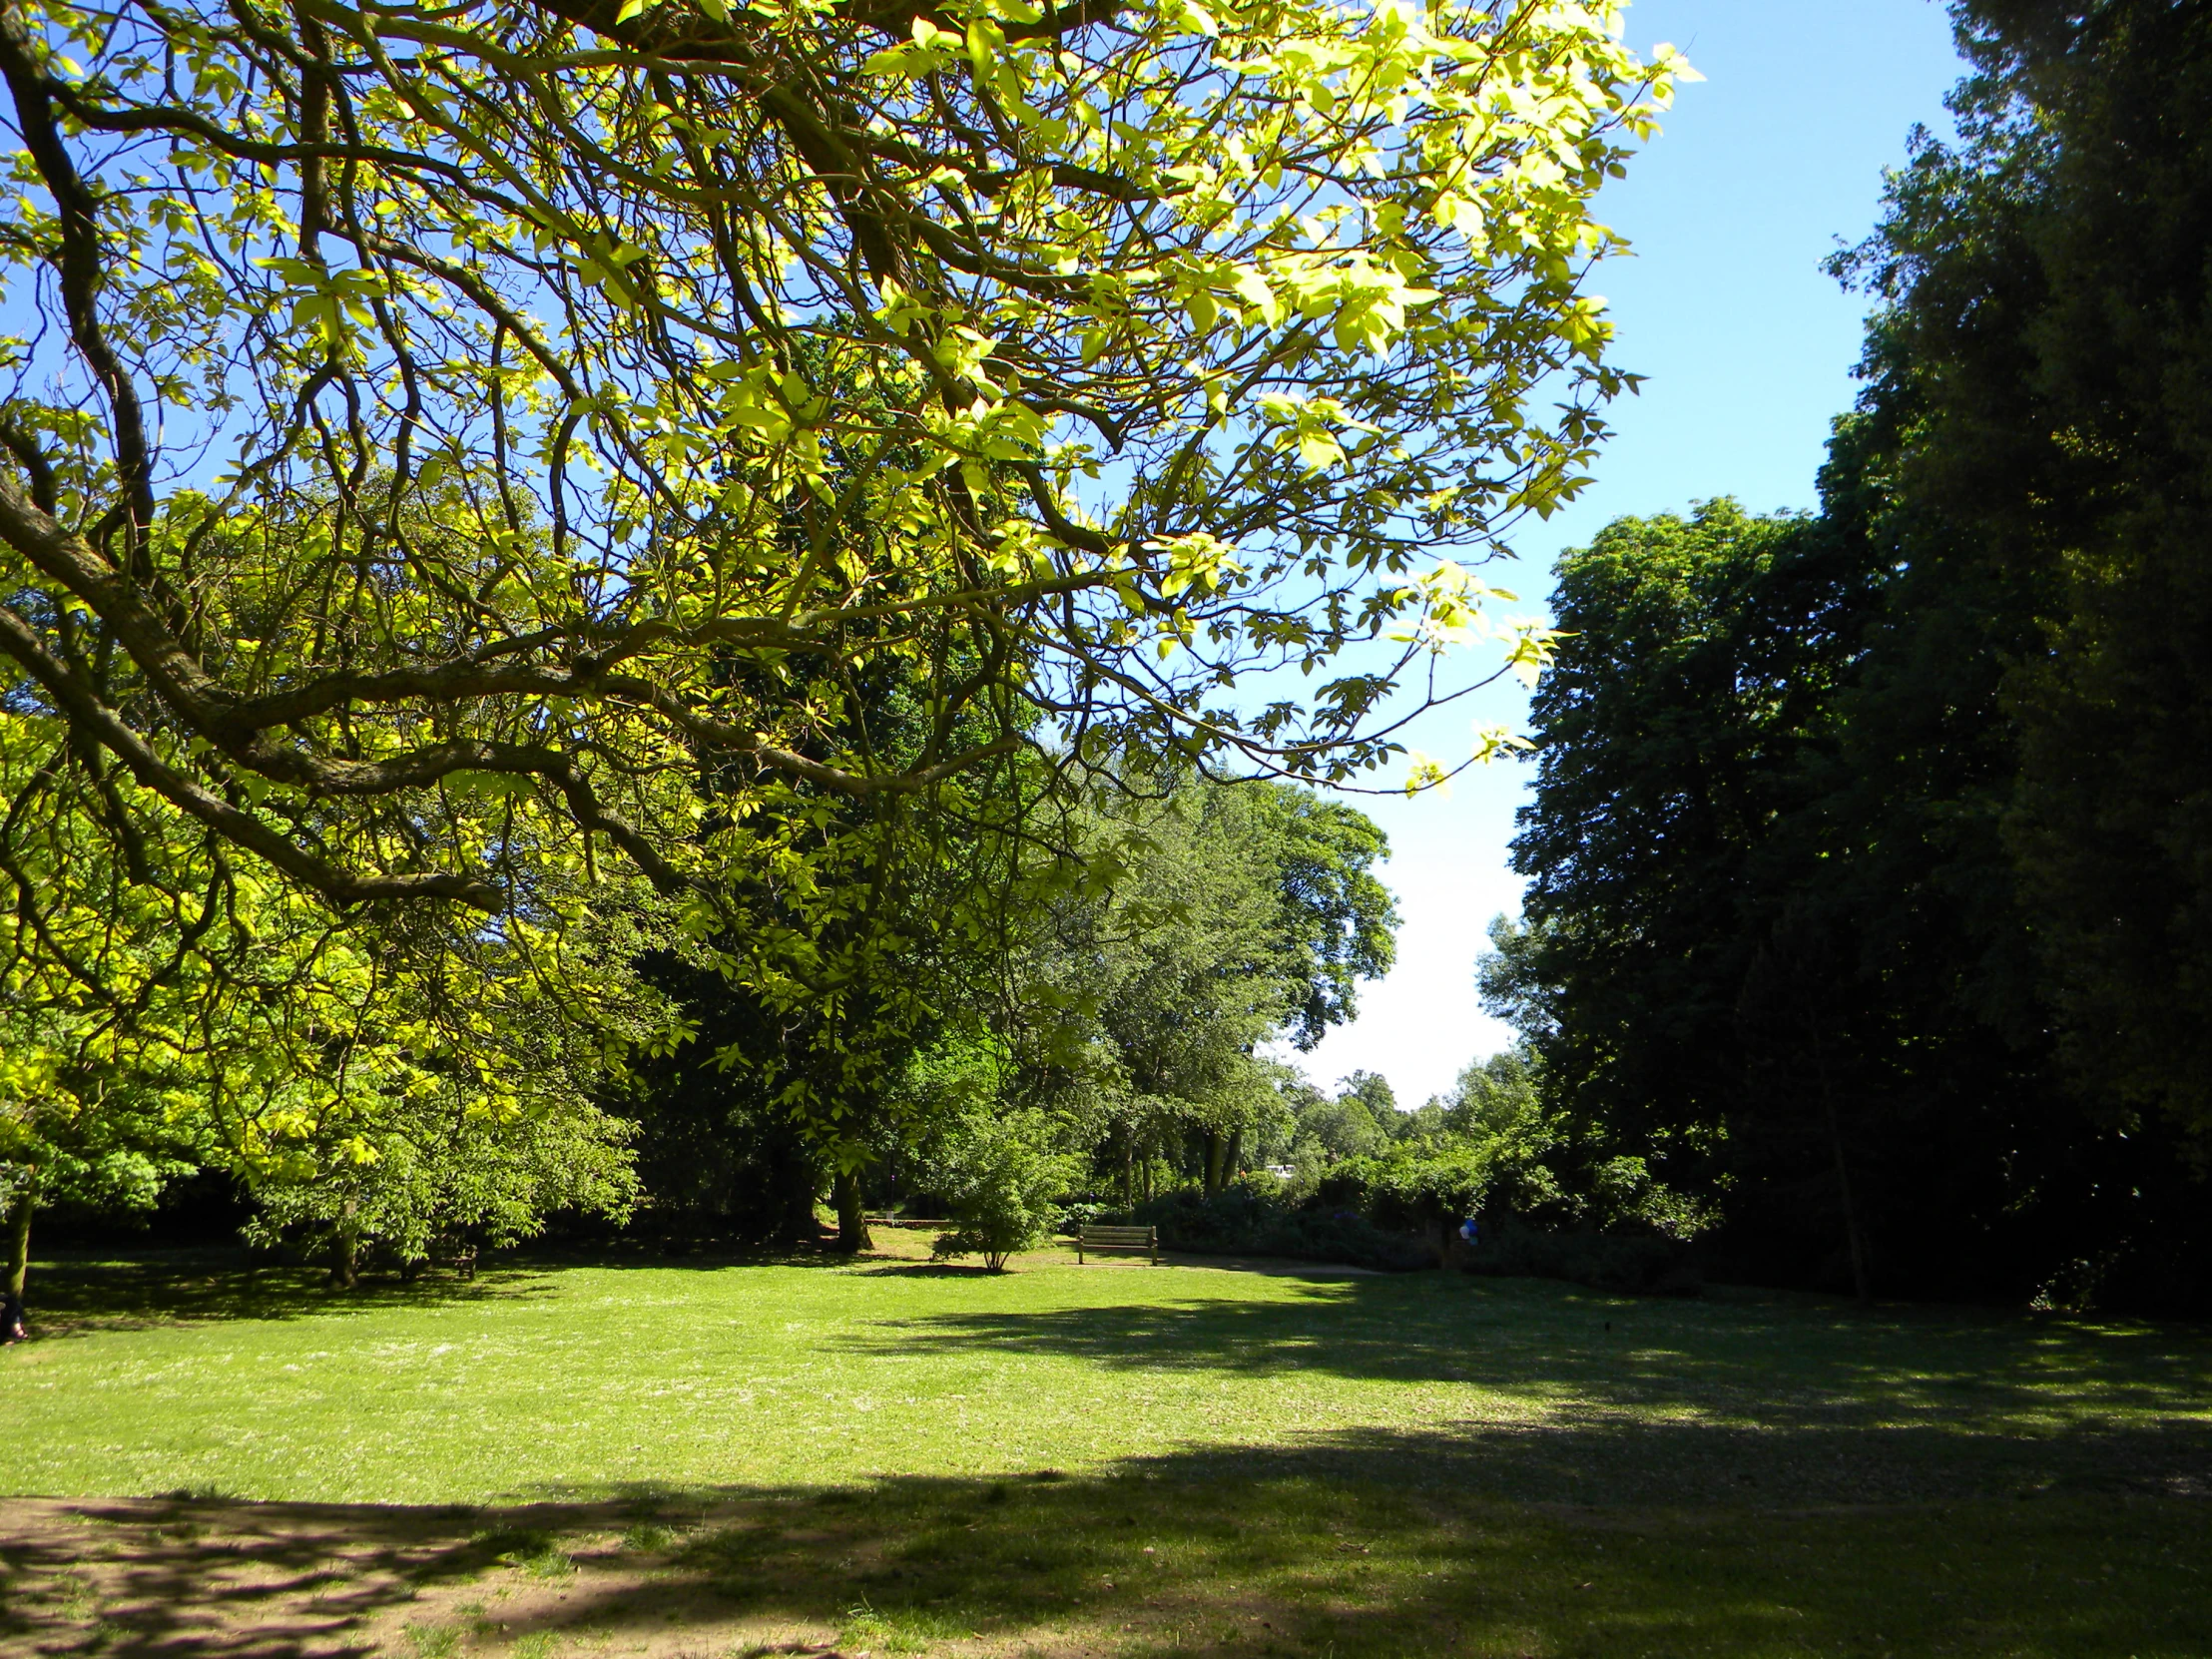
843, 964
717, 1153
2048, 290
1684, 1002
1868, 895
1674, 725
1775, 946
2037, 708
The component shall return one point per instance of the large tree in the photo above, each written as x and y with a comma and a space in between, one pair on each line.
1699, 660
1868, 894
1206, 925
383, 1080
433, 440
1774, 944
423, 414
2046, 317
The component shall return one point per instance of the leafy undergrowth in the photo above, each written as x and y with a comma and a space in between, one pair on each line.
1238, 1221
887, 1458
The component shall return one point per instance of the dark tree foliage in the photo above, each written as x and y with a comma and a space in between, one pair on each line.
1683, 1004
2112, 817
2037, 386
1775, 943
718, 1156
1870, 893
1673, 725
782, 1091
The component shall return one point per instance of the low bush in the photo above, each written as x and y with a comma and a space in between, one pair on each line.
998, 1176
1637, 1264
1246, 1220
1416, 1189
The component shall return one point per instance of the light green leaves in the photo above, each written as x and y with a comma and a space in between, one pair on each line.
1047, 371
604, 262
1313, 426
326, 305
1258, 297
930, 50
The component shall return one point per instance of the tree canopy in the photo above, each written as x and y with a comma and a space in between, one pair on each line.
429, 432
1215, 922
500, 494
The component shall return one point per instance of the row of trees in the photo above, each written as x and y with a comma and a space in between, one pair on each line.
1111, 1034
1868, 893
1123, 1007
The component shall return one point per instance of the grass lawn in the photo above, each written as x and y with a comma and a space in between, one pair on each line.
892, 1457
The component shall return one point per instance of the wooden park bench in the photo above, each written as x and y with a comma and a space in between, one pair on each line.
1100, 1241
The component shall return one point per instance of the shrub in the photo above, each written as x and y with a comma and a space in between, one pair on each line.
1074, 1213
999, 1178
1247, 1219
1636, 1263
1412, 1188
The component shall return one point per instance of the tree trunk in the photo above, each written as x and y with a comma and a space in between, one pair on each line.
1232, 1163
19, 1262
346, 1261
851, 1220
1215, 1147
797, 1183
1859, 1286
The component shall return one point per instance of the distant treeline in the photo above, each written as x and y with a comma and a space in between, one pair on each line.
1871, 853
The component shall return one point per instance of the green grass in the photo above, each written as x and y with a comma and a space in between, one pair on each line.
1129, 1459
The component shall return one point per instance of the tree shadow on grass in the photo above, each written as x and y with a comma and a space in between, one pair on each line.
1371, 1543
78, 1296
79, 1291
1758, 1363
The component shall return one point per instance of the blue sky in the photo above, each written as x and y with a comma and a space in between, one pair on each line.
1747, 347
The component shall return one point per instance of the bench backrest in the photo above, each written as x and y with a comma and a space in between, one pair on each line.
1119, 1234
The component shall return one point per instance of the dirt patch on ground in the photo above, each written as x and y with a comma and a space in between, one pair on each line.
315, 1581
226, 1579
